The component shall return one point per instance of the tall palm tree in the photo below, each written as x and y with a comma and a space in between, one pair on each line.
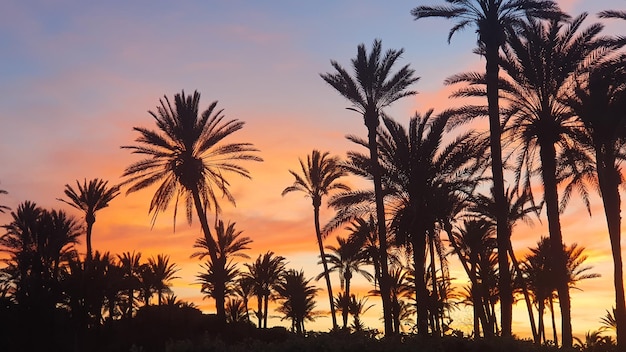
264, 274
163, 272
319, 177
599, 100
494, 21
346, 258
186, 154
373, 88
221, 274
89, 198
542, 63
298, 297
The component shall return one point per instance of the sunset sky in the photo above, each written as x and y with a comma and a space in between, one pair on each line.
76, 77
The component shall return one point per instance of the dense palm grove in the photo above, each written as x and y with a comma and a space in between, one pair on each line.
555, 90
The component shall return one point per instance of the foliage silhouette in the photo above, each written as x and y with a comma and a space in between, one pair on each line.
373, 88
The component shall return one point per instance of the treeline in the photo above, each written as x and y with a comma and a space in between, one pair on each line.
555, 94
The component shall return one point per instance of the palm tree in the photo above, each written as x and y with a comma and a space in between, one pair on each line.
319, 177
475, 244
357, 307
599, 100
420, 173
494, 20
39, 244
346, 259
264, 274
89, 198
538, 269
132, 267
221, 272
520, 207
236, 310
163, 272
187, 156
373, 88
298, 297
542, 62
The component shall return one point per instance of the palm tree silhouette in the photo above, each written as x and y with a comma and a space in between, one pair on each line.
298, 297
475, 244
264, 274
599, 100
538, 269
420, 174
319, 178
542, 62
163, 271
373, 88
187, 157
131, 266
495, 21
346, 259
219, 278
39, 244
89, 198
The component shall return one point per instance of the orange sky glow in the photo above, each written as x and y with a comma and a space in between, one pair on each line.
78, 78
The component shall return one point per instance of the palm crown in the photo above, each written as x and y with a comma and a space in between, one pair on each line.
185, 154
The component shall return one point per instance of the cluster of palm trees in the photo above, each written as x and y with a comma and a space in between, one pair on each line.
45, 276
556, 98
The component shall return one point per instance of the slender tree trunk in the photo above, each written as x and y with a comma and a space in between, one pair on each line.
554, 334
529, 305
435, 292
609, 180
265, 304
329, 287
497, 171
346, 309
542, 329
260, 310
421, 292
548, 170
471, 273
372, 122
221, 310
89, 219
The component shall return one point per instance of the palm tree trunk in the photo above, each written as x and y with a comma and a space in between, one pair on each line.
609, 180
421, 292
221, 310
89, 220
329, 287
542, 329
554, 334
266, 298
346, 309
548, 171
435, 294
497, 171
260, 310
479, 312
372, 122
529, 305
